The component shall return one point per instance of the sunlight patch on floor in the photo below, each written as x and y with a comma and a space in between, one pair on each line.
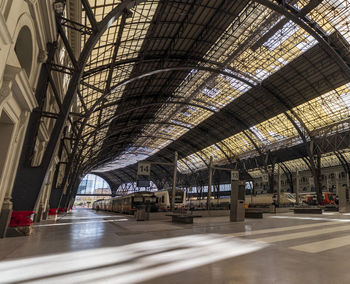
129, 263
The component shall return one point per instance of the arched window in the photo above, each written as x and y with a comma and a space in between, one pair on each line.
24, 49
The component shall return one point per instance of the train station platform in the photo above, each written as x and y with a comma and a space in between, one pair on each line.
85, 246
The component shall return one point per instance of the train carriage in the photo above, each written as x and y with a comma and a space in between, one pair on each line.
259, 200
127, 204
164, 199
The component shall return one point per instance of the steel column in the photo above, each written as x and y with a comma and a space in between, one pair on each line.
297, 187
210, 181
172, 207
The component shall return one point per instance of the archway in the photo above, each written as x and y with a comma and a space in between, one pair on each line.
91, 188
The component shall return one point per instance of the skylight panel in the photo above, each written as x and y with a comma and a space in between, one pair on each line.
216, 147
262, 74
189, 76
258, 133
346, 99
167, 130
193, 159
181, 123
276, 136
246, 142
281, 36
236, 84
186, 113
211, 92
281, 60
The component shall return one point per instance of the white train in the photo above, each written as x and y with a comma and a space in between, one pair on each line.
164, 199
161, 200
127, 204
260, 200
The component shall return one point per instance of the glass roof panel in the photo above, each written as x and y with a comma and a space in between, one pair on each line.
239, 51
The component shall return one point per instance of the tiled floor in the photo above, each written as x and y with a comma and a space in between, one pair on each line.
103, 247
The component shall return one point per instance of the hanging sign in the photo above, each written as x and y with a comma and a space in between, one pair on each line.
143, 169
311, 181
234, 175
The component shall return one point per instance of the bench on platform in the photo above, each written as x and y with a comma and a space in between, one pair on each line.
253, 213
183, 218
331, 208
307, 211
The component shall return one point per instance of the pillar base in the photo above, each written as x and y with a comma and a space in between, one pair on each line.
52, 217
39, 215
52, 214
20, 224
45, 215
345, 208
20, 231
62, 210
5, 216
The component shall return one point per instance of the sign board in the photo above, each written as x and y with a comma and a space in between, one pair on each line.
234, 175
265, 178
143, 169
143, 183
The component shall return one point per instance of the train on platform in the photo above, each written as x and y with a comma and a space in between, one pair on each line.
161, 201
127, 204
259, 200
164, 199
155, 201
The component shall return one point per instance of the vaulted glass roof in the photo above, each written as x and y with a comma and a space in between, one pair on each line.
330, 110
177, 75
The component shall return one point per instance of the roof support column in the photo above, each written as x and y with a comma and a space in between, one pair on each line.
68, 197
297, 187
289, 176
174, 183
56, 191
316, 172
210, 182
279, 185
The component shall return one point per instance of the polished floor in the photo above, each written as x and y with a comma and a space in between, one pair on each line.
103, 247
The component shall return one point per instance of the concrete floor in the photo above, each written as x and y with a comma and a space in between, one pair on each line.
103, 247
